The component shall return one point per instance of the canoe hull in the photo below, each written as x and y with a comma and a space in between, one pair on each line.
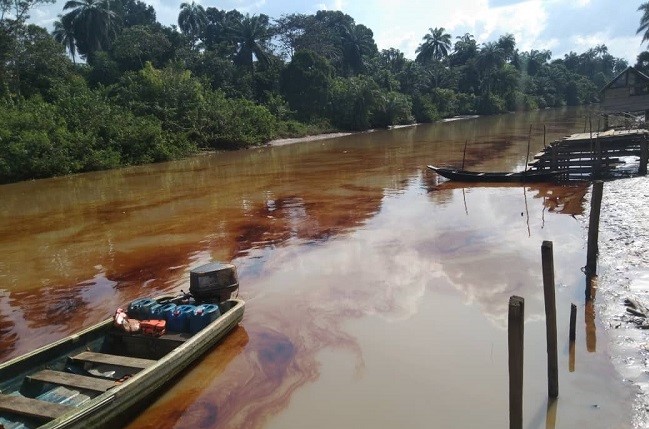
497, 177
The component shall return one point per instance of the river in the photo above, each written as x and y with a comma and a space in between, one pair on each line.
376, 294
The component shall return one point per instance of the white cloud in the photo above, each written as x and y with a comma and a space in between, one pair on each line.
334, 5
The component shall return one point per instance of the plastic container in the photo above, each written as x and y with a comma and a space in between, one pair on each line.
153, 312
179, 318
164, 311
202, 316
139, 309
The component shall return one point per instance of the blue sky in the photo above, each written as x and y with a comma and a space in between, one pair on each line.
560, 26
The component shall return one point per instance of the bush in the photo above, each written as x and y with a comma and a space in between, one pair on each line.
229, 124
491, 104
424, 109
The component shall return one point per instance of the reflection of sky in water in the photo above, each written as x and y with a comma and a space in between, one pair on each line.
425, 287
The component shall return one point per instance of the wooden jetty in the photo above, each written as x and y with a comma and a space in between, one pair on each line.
594, 155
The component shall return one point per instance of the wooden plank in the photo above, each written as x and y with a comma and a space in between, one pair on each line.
42, 410
116, 360
72, 380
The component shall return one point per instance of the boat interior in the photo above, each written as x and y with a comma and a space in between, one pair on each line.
46, 383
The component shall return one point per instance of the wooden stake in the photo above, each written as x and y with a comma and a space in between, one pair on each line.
547, 259
464, 154
593, 230
589, 315
573, 322
551, 416
515, 321
644, 156
527, 157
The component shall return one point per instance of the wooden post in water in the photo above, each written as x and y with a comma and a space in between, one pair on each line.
589, 315
515, 323
573, 323
571, 338
593, 230
527, 156
644, 156
466, 142
547, 260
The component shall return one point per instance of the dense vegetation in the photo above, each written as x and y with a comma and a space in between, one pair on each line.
110, 86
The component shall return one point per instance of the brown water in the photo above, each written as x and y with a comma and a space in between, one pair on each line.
375, 297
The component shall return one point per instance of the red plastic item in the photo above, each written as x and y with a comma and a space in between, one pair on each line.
153, 327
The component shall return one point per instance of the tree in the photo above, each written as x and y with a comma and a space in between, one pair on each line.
642, 62
534, 60
435, 46
644, 21
392, 59
507, 44
192, 20
64, 34
135, 12
464, 50
489, 60
94, 22
355, 102
18, 9
39, 63
251, 35
357, 43
217, 35
138, 44
306, 84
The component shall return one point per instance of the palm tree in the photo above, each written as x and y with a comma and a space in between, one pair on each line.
192, 20
507, 44
93, 22
435, 46
357, 40
490, 58
64, 34
251, 34
644, 21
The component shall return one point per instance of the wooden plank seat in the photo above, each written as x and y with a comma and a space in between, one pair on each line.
103, 358
72, 380
35, 408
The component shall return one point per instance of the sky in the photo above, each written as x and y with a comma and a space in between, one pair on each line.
559, 26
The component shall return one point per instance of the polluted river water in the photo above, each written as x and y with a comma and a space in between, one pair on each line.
376, 293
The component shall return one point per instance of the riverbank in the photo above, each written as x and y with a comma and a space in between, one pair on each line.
315, 137
624, 274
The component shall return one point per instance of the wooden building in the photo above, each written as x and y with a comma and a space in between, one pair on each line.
627, 93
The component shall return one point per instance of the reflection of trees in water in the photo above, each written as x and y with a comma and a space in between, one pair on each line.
565, 199
8, 336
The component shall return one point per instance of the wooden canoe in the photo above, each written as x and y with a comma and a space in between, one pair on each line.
98, 376
500, 177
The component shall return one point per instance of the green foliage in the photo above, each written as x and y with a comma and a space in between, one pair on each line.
140, 44
234, 123
424, 109
445, 100
149, 93
393, 108
306, 85
354, 103
94, 24
491, 104
171, 95
435, 46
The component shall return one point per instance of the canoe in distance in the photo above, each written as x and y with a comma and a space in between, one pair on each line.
500, 177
